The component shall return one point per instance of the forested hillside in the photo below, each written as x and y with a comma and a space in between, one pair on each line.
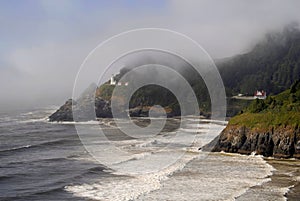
273, 65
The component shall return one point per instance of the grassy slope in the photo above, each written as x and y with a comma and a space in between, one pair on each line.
280, 110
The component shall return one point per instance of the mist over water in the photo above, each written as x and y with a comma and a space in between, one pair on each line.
38, 68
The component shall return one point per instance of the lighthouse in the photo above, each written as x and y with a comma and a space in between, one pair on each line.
112, 80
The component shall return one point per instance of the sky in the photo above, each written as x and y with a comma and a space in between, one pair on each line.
44, 42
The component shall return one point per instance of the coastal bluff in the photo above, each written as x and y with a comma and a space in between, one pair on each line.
85, 105
281, 142
269, 127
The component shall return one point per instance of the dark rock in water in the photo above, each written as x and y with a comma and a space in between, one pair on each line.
87, 107
138, 112
282, 142
143, 111
83, 109
64, 113
102, 108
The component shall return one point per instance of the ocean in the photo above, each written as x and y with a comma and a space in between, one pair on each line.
47, 161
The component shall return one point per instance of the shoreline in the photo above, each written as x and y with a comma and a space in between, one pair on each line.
284, 181
288, 170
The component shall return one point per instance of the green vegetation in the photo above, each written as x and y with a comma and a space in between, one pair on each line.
149, 95
272, 65
105, 91
280, 110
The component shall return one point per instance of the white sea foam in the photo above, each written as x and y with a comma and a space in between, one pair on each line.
34, 120
129, 188
138, 156
297, 178
206, 120
92, 122
217, 177
199, 126
147, 151
197, 176
148, 143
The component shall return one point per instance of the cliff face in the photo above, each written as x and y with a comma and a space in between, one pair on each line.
282, 142
268, 127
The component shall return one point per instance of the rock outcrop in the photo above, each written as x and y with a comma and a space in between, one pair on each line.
87, 107
269, 127
84, 110
102, 108
90, 105
282, 142
143, 111
64, 113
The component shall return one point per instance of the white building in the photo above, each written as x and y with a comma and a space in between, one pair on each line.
260, 94
112, 80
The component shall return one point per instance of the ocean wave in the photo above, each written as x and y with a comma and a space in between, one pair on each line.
92, 122
40, 160
214, 121
34, 120
49, 190
15, 148
32, 195
194, 130
32, 146
129, 188
148, 143
214, 177
133, 157
96, 169
40, 115
5, 177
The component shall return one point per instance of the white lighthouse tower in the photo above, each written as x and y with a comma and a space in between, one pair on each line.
112, 80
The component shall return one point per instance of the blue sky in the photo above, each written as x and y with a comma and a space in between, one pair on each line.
43, 42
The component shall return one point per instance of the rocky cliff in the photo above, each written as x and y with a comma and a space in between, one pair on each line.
84, 107
268, 127
282, 142
102, 109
